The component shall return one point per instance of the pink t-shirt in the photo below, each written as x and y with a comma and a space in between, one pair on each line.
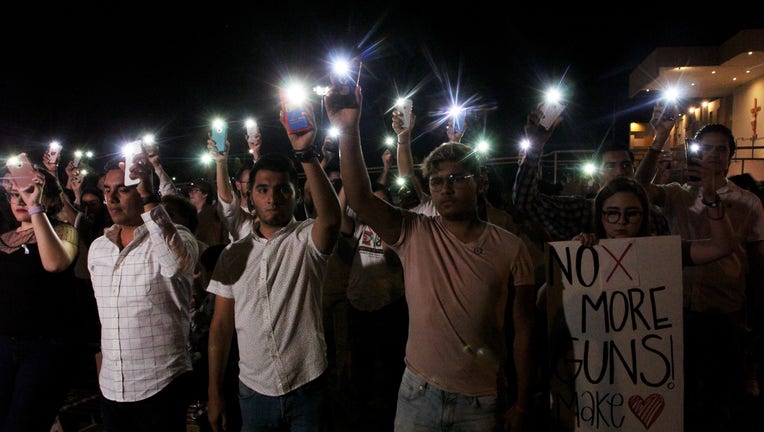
457, 296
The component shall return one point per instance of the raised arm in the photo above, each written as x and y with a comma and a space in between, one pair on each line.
662, 122
405, 155
166, 185
562, 216
327, 207
222, 179
56, 252
383, 218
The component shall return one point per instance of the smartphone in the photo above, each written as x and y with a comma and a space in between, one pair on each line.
150, 146
252, 130
77, 159
405, 106
54, 151
130, 150
459, 120
297, 120
219, 132
550, 111
342, 94
21, 171
691, 154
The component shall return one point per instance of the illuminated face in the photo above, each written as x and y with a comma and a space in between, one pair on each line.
18, 206
622, 215
615, 164
454, 191
123, 202
273, 198
715, 151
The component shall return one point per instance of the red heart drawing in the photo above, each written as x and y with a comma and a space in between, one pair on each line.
647, 410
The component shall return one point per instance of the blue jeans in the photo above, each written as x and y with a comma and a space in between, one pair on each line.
35, 374
422, 407
300, 410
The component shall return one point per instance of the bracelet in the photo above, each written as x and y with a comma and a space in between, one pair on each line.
153, 198
712, 204
36, 209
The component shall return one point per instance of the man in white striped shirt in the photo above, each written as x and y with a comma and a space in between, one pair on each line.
142, 272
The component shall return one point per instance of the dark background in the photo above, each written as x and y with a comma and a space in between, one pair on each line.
94, 77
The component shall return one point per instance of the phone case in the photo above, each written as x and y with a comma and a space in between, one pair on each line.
459, 121
550, 112
130, 151
219, 133
406, 107
296, 118
76, 161
21, 171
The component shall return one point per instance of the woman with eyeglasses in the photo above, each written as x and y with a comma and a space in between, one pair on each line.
620, 212
36, 306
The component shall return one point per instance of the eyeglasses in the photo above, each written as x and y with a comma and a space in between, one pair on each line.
455, 180
629, 215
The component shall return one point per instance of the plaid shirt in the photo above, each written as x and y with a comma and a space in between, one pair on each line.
563, 216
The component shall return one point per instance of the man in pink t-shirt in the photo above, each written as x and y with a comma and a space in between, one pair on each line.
460, 273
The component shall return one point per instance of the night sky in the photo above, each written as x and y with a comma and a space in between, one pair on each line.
97, 77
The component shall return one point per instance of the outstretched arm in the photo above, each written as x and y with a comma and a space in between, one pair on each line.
383, 218
662, 122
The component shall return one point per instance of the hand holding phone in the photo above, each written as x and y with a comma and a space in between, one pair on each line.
295, 115
550, 111
130, 150
693, 157
405, 106
54, 152
21, 170
342, 92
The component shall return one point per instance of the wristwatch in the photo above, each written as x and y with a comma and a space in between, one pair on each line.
153, 198
305, 156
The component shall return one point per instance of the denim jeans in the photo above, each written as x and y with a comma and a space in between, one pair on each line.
165, 411
424, 407
300, 410
35, 374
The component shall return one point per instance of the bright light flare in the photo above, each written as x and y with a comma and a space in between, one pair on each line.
78, 153
400, 181
55, 146
131, 148
671, 94
205, 159
295, 93
482, 146
148, 139
334, 132
249, 123
389, 141
525, 144
588, 168
553, 95
89, 154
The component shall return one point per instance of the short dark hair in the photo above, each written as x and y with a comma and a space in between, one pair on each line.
611, 147
720, 129
276, 162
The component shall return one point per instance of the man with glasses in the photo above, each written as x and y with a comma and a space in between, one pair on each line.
566, 216
460, 273
714, 293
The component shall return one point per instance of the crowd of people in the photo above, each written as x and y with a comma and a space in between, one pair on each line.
303, 295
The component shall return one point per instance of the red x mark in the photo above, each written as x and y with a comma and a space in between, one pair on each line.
618, 262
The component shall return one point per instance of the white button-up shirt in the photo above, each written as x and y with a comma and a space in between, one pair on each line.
276, 286
144, 295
